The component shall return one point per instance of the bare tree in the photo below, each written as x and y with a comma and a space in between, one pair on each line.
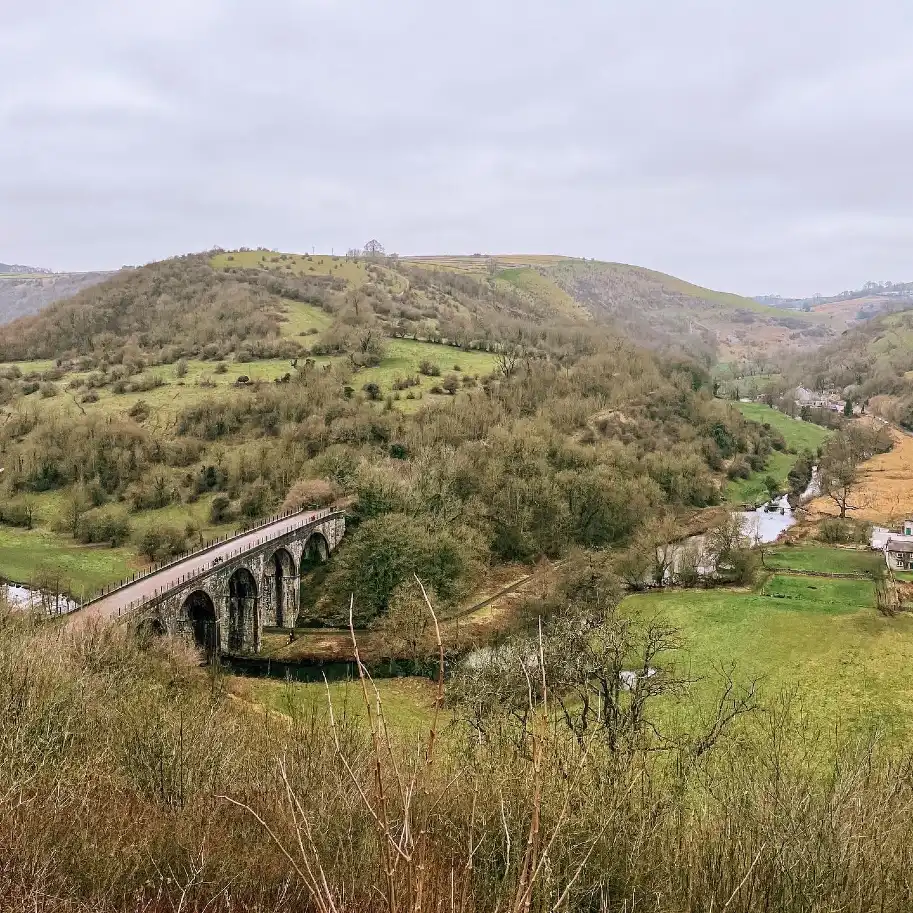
839, 477
650, 558
508, 360
406, 628
608, 674
374, 248
839, 466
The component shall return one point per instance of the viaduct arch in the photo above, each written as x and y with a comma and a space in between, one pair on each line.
222, 597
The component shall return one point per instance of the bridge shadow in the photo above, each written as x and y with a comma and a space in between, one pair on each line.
199, 609
242, 610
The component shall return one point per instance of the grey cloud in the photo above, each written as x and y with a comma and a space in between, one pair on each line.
749, 146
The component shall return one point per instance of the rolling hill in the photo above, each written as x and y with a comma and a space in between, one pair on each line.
469, 300
872, 361
656, 309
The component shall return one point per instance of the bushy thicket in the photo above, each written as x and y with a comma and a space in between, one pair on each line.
536, 459
131, 782
176, 308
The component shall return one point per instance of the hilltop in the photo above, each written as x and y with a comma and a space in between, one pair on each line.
657, 309
258, 302
471, 300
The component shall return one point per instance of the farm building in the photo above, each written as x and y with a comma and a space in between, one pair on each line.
900, 553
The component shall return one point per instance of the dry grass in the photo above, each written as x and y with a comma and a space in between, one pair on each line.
130, 781
886, 493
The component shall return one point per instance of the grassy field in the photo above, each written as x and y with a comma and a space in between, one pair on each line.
799, 436
823, 559
540, 288
302, 318
38, 366
821, 639
886, 493
404, 356
824, 639
407, 702
202, 382
753, 491
354, 272
27, 554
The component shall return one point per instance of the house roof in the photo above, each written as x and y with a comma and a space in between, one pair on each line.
900, 545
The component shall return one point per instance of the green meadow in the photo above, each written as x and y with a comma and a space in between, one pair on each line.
820, 638
798, 435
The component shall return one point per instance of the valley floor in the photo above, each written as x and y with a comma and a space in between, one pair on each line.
818, 640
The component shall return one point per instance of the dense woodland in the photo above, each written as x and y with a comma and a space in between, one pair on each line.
513, 467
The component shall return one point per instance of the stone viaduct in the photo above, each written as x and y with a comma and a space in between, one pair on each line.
222, 596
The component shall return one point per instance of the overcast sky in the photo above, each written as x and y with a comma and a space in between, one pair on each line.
749, 145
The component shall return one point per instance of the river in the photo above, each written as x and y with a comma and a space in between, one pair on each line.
762, 525
23, 598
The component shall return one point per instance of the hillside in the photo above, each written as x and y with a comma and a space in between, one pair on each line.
660, 310
24, 290
211, 306
184, 397
851, 307
469, 301
873, 361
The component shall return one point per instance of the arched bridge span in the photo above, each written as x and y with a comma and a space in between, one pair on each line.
222, 596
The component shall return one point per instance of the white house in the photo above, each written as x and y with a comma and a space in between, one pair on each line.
897, 547
806, 397
899, 553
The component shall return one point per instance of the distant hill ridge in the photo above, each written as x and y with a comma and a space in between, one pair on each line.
458, 298
651, 307
17, 269
25, 290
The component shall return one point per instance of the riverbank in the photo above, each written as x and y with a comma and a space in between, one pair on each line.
798, 435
